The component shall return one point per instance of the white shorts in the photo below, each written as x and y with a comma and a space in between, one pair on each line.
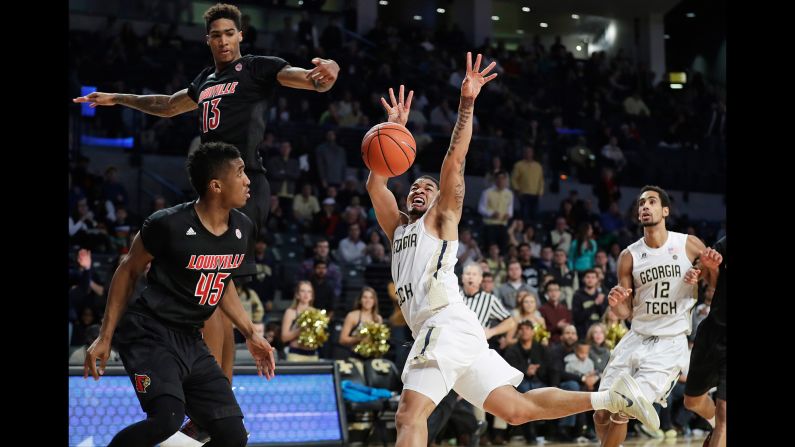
654, 362
451, 353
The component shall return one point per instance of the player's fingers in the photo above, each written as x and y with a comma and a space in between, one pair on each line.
489, 77
401, 94
408, 100
392, 97
386, 106
469, 62
93, 366
317, 60
102, 362
476, 68
489, 68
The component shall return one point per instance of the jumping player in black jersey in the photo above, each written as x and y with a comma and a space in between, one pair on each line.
231, 97
708, 357
194, 249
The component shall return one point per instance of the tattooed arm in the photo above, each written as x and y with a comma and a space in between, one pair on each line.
446, 213
161, 105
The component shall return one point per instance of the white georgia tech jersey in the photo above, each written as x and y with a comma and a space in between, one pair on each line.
663, 302
422, 268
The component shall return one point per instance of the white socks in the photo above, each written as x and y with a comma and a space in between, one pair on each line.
600, 400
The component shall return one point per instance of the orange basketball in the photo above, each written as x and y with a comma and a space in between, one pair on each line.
388, 149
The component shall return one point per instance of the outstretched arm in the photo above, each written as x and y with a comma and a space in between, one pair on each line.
451, 190
160, 105
386, 207
321, 78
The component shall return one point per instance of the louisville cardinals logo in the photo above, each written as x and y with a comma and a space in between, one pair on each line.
142, 382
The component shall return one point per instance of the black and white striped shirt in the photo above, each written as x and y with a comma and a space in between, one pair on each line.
486, 306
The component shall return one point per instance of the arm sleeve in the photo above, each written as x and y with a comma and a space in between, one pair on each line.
263, 69
193, 88
154, 233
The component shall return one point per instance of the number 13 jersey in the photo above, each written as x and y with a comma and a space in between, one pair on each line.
663, 302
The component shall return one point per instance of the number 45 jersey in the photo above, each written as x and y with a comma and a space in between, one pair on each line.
663, 302
233, 103
192, 267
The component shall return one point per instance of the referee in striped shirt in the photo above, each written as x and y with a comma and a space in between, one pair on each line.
487, 307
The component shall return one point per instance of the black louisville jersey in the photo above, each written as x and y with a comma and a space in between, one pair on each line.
192, 267
717, 312
233, 102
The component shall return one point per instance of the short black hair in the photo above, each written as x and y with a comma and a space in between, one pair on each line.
588, 271
319, 261
553, 282
208, 162
427, 177
488, 275
527, 323
582, 343
666, 201
222, 11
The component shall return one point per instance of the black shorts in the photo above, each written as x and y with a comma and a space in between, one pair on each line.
161, 360
708, 361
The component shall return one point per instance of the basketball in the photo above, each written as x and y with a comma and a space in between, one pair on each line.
388, 149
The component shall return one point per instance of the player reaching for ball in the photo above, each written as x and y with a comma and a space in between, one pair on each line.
450, 351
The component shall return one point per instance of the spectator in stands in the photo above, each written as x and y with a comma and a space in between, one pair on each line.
516, 232
83, 229
488, 283
365, 310
560, 237
600, 353
112, 189
609, 278
307, 32
376, 254
496, 207
305, 207
496, 264
303, 299
606, 189
529, 271
331, 161
443, 118
277, 220
583, 249
635, 106
530, 358
588, 304
328, 219
562, 379
264, 282
526, 310
468, 250
352, 250
563, 275
514, 284
325, 298
530, 240
333, 273
121, 229
87, 319
283, 172
545, 263
613, 156
279, 113
556, 315
527, 181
